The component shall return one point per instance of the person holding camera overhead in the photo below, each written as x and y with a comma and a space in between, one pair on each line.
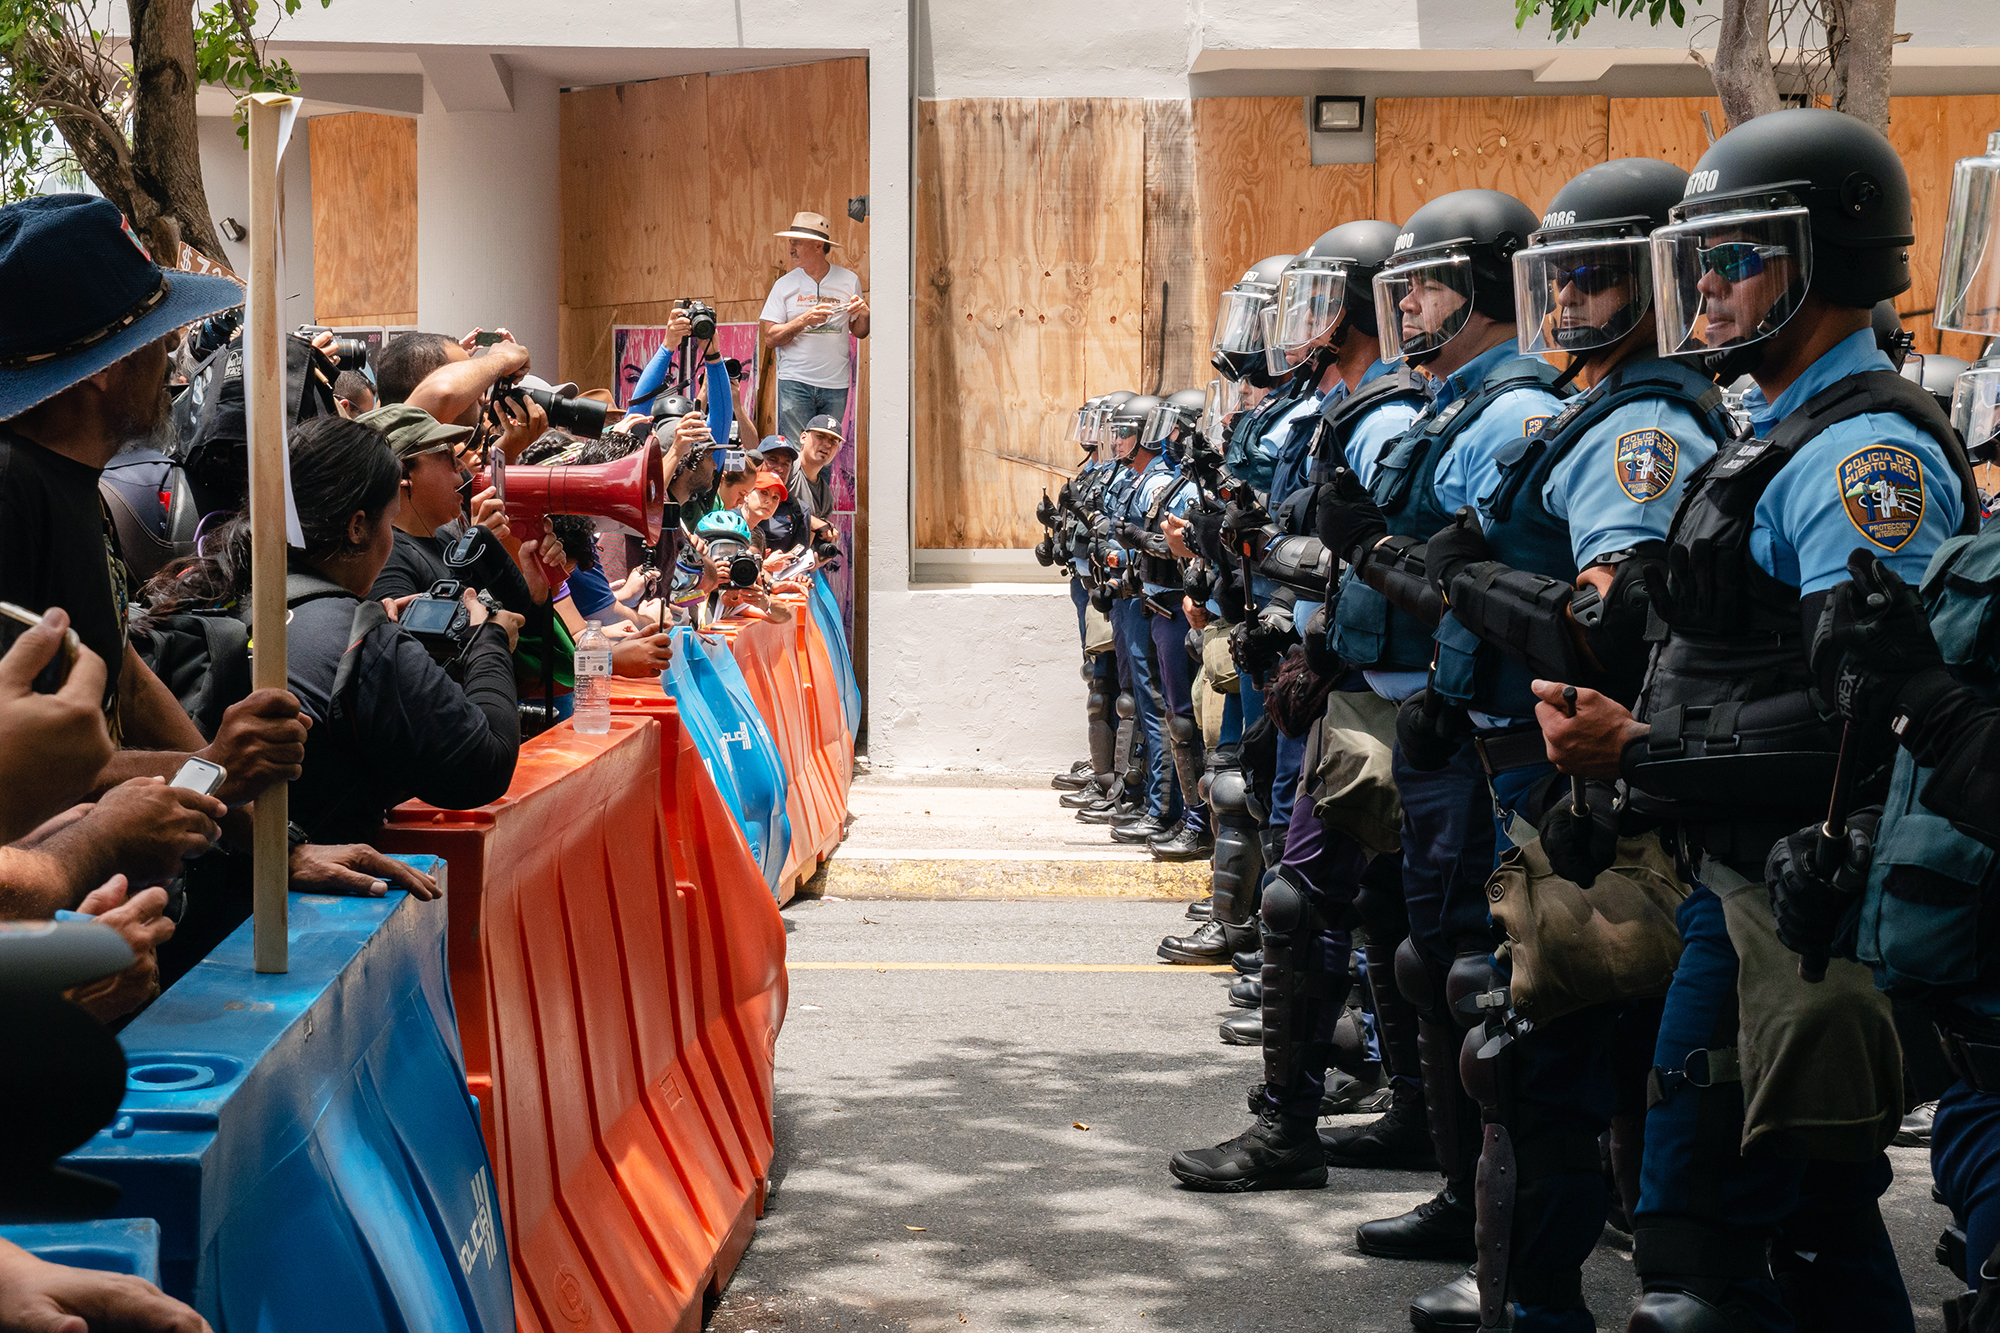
807, 318
424, 708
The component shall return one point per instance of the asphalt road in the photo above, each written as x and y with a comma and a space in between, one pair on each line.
934, 1170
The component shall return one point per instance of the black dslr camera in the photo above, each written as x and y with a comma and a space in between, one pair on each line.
701, 319
826, 551
578, 416
738, 559
440, 621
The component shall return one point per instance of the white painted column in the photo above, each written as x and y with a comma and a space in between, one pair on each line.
489, 239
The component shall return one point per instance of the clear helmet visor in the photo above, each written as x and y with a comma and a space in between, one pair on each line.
1239, 322
1310, 298
1275, 360
1076, 434
1160, 423
1122, 436
1225, 397
1576, 296
1975, 410
1422, 305
1729, 279
1969, 274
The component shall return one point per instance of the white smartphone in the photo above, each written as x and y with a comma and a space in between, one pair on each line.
200, 777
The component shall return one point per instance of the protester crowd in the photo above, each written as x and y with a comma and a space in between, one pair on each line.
1571, 640
426, 636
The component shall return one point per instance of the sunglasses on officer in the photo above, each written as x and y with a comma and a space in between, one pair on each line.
1733, 261
1592, 278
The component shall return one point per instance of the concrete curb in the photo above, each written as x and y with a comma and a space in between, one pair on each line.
866, 877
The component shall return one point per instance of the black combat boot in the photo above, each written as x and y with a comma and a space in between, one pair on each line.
1104, 812
1397, 1140
1451, 1308
1199, 909
1246, 993
1246, 1029
1184, 843
1211, 942
1250, 962
1276, 1153
1141, 830
1438, 1228
1095, 792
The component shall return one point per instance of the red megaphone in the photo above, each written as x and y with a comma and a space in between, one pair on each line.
629, 491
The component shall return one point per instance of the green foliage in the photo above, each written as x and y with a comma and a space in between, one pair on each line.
1567, 17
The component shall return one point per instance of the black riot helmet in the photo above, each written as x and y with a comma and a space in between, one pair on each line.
1125, 423
1895, 341
1331, 278
1792, 202
1453, 257
1080, 432
1174, 422
1237, 349
1585, 279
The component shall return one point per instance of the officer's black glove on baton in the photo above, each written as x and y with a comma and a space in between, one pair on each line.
1430, 730
1582, 845
1815, 903
1460, 543
1348, 516
1872, 637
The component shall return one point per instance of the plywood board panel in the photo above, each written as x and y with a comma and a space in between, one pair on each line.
1259, 193
1931, 133
635, 192
364, 191
781, 141
1668, 128
1528, 147
1029, 256
1170, 347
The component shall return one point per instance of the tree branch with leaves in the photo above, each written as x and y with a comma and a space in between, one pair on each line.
71, 104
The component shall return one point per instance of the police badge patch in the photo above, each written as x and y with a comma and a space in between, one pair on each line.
1645, 461
1882, 488
1532, 426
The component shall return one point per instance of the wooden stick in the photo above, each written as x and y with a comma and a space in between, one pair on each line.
264, 393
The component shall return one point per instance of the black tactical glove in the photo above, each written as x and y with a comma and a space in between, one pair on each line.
1871, 638
1045, 512
1348, 516
1259, 645
1318, 639
1580, 848
1208, 535
1454, 547
1430, 730
1816, 894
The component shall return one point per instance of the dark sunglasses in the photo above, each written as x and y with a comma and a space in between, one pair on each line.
1733, 261
1590, 279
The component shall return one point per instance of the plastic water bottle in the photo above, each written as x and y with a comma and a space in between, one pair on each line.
592, 715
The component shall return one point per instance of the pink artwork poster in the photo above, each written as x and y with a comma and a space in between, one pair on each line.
739, 341
632, 348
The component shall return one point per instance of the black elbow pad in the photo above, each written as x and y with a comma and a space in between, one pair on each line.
1523, 615
1620, 627
1395, 568
1298, 562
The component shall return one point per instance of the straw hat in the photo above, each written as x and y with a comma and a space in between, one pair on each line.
810, 227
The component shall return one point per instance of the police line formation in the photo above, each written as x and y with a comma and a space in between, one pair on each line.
1607, 658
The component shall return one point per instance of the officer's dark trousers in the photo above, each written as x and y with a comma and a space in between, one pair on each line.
1291, 753
1328, 866
1080, 595
1177, 692
1695, 1171
1965, 1161
1448, 853
1135, 673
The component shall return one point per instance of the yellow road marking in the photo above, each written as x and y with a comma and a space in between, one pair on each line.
1161, 968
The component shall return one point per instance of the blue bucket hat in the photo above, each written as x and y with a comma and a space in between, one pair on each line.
78, 294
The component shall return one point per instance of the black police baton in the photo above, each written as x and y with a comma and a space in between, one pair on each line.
1579, 796
1828, 851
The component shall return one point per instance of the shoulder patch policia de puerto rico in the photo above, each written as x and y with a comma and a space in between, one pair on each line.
1645, 461
1882, 489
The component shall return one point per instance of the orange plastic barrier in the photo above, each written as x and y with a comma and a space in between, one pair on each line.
836, 743
770, 657
617, 967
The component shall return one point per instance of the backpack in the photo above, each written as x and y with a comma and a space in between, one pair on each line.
209, 418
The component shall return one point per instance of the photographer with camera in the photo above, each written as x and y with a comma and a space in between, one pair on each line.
691, 319
389, 721
807, 318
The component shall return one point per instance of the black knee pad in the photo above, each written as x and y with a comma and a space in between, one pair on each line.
1414, 977
1128, 704
1284, 906
1181, 730
1471, 974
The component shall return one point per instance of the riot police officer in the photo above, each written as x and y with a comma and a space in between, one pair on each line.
1577, 519
1171, 430
1445, 304
1064, 542
1763, 1163
1324, 328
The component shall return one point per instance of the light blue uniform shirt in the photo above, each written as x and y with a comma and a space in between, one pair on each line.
1619, 485
1875, 481
1470, 469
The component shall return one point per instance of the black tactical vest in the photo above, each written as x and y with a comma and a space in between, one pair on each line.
1740, 750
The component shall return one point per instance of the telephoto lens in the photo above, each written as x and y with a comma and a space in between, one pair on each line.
701, 319
578, 416
351, 353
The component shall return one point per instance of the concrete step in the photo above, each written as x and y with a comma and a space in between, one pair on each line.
959, 836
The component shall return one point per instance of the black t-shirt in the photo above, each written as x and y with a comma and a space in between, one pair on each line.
417, 563
57, 548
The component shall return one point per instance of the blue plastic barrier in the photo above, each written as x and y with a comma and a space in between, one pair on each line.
826, 613
125, 1245
730, 733
305, 1140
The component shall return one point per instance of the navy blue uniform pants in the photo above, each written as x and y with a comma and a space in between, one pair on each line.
1965, 1162
1448, 844
1696, 1172
1177, 693
1135, 673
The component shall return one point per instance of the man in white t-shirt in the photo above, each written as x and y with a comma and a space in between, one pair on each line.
807, 318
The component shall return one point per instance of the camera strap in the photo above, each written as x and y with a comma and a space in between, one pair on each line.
369, 616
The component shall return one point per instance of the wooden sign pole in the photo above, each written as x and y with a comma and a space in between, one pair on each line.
264, 394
